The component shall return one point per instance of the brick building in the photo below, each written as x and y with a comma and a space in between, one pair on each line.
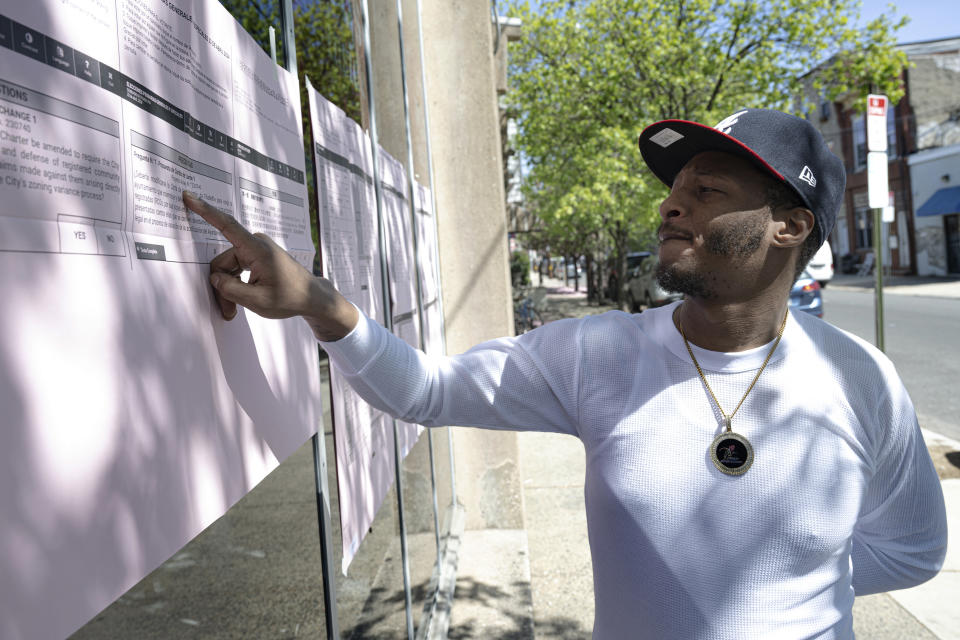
923, 134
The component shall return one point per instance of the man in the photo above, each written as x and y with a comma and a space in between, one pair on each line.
748, 471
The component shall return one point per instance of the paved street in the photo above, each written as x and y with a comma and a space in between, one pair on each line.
922, 339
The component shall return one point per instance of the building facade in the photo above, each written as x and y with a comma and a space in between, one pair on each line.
934, 165
923, 144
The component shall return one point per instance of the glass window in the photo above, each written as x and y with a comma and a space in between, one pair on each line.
891, 133
859, 143
863, 218
840, 240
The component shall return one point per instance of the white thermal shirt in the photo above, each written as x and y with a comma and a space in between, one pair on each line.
842, 498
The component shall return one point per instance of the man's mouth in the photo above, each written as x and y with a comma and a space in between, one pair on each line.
674, 235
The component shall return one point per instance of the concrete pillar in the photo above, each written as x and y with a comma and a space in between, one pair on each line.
468, 187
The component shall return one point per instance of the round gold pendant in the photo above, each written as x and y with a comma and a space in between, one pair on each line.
732, 453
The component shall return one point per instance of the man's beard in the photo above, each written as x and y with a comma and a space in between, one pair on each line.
735, 241
688, 283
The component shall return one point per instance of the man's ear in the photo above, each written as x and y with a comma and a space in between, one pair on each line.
792, 226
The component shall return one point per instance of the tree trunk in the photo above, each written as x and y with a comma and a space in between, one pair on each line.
591, 283
620, 243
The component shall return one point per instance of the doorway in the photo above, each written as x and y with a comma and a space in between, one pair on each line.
951, 224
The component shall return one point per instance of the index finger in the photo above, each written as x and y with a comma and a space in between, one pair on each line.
223, 222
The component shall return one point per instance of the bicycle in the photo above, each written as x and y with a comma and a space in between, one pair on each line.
526, 314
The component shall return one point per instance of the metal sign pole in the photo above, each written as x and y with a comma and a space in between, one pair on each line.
878, 270
436, 238
878, 192
436, 615
326, 541
317, 440
411, 190
289, 42
388, 312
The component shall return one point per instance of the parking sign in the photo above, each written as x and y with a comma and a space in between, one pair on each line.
877, 106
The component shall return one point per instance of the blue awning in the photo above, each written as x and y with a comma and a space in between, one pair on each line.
946, 200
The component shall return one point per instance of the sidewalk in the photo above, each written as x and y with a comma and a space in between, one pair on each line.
927, 286
561, 582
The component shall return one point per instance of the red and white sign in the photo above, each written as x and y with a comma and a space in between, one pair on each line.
889, 212
877, 122
877, 105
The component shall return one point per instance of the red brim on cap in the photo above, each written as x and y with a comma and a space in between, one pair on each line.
668, 157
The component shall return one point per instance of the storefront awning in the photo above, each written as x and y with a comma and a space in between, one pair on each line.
946, 200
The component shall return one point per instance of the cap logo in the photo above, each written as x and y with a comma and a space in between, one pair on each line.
666, 137
807, 176
725, 125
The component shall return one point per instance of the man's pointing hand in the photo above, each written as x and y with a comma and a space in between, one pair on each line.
278, 287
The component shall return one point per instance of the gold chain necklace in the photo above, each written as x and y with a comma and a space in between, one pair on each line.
730, 451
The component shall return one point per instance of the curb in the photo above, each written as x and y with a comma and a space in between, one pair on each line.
934, 438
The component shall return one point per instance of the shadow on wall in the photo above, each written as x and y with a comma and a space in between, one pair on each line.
133, 416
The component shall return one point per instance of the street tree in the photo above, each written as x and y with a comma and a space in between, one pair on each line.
588, 74
325, 54
324, 41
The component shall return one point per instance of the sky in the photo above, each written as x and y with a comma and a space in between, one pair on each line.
929, 19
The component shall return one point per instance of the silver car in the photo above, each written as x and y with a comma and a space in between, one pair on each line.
821, 265
643, 290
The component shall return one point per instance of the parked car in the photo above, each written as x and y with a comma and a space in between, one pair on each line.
821, 265
634, 259
849, 263
574, 269
642, 287
806, 295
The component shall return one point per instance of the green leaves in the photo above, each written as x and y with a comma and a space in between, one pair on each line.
324, 43
588, 75
325, 54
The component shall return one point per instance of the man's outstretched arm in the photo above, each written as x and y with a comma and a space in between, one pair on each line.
510, 383
278, 287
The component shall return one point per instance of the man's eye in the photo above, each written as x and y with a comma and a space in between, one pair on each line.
706, 189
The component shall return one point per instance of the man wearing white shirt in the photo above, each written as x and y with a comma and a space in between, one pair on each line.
748, 471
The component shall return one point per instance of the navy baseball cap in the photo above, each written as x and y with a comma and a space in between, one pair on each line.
787, 147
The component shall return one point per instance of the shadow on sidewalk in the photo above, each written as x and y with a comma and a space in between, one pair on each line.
473, 592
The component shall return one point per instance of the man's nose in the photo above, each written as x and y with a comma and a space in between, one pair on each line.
671, 207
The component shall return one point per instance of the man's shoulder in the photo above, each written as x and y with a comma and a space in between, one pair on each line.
589, 327
822, 331
615, 320
619, 331
842, 348
604, 337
